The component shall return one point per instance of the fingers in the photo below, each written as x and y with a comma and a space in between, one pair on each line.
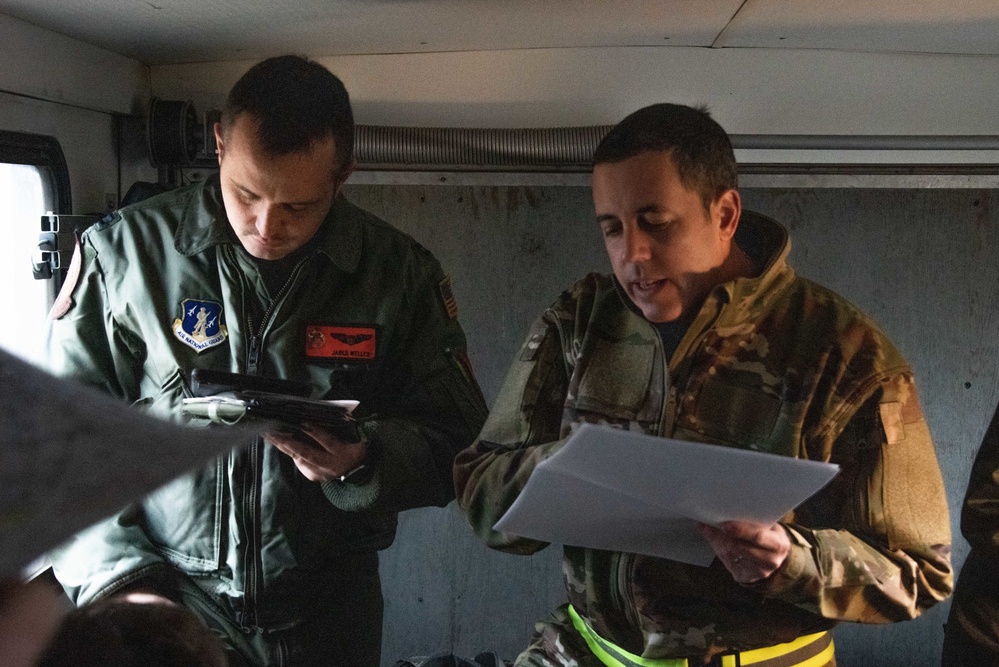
318, 454
751, 552
306, 457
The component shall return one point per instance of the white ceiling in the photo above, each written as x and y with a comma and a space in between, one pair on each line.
158, 32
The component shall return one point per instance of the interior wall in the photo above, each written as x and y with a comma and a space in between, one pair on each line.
54, 85
89, 141
46, 65
919, 261
750, 91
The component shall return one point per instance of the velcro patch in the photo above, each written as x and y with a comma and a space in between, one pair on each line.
449, 303
323, 341
64, 301
532, 347
536, 336
891, 420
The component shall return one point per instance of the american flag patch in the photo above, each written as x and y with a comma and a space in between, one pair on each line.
450, 305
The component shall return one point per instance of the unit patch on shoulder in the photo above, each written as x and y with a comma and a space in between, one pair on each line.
449, 303
64, 301
327, 341
200, 324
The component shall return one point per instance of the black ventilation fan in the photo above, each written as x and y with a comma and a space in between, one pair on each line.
173, 132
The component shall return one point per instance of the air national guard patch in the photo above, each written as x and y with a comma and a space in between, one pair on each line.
200, 324
355, 343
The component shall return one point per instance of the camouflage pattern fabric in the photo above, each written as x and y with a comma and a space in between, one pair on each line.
776, 364
972, 632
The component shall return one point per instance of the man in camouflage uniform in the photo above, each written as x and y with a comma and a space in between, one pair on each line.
972, 636
704, 333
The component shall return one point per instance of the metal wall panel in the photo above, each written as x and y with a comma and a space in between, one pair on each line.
920, 262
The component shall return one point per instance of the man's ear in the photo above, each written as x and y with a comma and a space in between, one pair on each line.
728, 209
342, 174
219, 141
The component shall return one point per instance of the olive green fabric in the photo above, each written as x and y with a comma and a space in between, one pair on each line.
972, 634
774, 363
266, 542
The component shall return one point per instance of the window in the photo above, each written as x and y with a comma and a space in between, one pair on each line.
33, 181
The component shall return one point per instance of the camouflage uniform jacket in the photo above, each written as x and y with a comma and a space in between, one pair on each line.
267, 542
774, 363
972, 637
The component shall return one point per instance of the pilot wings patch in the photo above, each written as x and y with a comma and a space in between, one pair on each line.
356, 343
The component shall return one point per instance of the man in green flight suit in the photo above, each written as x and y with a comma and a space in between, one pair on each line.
266, 269
704, 333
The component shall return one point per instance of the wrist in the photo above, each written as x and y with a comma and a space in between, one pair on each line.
364, 470
358, 475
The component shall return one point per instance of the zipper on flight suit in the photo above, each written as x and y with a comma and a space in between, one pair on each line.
253, 478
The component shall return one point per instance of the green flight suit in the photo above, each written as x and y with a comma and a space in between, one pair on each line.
285, 567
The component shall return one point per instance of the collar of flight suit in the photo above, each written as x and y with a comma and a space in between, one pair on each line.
204, 224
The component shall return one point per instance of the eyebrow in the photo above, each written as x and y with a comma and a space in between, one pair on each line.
251, 193
245, 190
650, 208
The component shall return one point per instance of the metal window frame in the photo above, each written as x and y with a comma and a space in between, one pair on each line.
44, 152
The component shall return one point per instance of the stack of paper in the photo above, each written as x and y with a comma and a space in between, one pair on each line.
607, 488
70, 456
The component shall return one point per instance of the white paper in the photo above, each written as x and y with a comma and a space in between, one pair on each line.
613, 489
71, 456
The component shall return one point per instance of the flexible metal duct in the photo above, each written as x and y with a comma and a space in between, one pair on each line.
476, 147
572, 147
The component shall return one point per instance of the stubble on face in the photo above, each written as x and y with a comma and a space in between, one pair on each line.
275, 203
666, 248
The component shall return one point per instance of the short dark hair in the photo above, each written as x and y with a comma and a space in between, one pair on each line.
115, 633
700, 148
296, 102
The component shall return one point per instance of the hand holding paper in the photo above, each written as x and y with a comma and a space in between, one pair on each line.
751, 552
612, 489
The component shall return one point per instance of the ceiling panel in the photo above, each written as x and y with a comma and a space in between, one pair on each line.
922, 26
176, 31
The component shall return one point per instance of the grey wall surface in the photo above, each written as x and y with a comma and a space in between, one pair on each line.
921, 262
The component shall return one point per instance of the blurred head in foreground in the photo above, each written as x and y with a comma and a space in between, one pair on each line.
114, 633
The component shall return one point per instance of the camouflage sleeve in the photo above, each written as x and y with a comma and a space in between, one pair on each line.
980, 513
874, 546
972, 631
522, 430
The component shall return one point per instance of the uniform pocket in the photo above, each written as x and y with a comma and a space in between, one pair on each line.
733, 414
615, 381
184, 518
165, 400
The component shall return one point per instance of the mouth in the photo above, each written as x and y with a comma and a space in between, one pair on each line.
270, 241
645, 287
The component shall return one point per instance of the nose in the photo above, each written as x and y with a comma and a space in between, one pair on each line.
268, 221
636, 246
